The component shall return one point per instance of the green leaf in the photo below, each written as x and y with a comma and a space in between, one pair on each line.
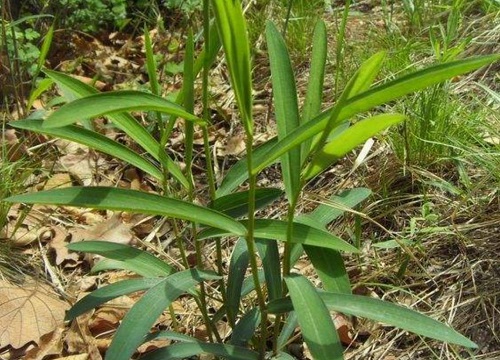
238, 173
288, 329
188, 350
270, 256
142, 316
336, 206
314, 94
170, 335
237, 268
330, 267
188, 91
348, 140
151, 63
114, 102
371, 98
107, 198
285, 106
109, 292
276, 230
385, 312
124, 122
93, 140
249, 285
236, 204
232, 29
245, 328
139, 261
315, 320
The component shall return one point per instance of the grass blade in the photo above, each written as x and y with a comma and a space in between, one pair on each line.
371, 98
188, 350
276, 230
107, 198
231, 25
93, 140
139, 261
237, 268
114, 102
314, 94
285, 106
142, 316
100, 296
348, 140
315, 321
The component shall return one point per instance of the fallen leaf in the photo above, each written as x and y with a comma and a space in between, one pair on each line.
79, 340
112, 230
58, 245
28, 313
49, 344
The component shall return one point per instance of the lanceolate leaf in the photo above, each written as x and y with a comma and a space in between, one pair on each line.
245, 328
330, 267
141, 317
269, 254
236, 204
276, 230
385, 312
371, 98
124, 122
93, 140
238, 173
113, 102
188, 350
314, 319
109, 292
348, 140
285, 106
139, 261
107, 198
233, 35
237, 268
314, 94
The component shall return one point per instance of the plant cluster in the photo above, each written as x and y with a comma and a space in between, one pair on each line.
309, 141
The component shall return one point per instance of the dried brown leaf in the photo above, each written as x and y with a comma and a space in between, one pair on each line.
26, 314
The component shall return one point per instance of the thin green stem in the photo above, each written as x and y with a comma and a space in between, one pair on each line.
250, 240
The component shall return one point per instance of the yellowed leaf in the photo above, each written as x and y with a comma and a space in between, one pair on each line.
28, 313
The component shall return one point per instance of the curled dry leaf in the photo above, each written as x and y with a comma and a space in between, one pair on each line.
79, 340
28, 313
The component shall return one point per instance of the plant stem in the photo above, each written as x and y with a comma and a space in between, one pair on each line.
206, 145
250, 240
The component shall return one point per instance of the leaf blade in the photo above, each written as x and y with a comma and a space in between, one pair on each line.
132, 201
314, 319
114, 102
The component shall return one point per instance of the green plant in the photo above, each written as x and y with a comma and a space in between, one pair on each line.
332, 133
90, 15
